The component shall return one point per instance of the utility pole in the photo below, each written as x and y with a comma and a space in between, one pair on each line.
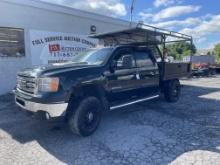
132, 9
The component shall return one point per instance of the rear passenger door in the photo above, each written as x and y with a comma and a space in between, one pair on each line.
148, 73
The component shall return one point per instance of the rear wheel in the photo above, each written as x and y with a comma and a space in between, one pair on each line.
86, 117
172, 90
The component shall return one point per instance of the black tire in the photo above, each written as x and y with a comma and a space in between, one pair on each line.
86, 117
172, 90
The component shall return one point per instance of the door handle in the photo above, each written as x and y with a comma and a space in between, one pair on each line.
151, 74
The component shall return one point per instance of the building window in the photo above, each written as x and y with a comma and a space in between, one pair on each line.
11, 42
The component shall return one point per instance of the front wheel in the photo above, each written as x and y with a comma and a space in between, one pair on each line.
86, 117
172, 90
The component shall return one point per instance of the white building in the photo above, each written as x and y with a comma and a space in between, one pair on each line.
24, 24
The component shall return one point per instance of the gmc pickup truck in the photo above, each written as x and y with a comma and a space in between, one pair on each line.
98, 80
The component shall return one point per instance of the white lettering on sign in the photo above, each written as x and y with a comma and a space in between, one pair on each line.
57, 47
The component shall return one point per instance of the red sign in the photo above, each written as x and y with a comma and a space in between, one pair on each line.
54, 48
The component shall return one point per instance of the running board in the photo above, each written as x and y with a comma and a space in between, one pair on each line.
133, 102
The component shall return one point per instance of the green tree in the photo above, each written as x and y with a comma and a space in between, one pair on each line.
180, 49
217, 52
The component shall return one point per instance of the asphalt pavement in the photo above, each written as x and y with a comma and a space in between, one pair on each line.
155, 132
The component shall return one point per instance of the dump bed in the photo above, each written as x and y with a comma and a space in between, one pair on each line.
174, 70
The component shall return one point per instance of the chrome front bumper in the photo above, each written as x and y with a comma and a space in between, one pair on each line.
53, 110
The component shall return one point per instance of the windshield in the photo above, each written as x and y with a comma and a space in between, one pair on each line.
93, 56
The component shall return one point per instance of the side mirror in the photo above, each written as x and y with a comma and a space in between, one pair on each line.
113, 66
127, 61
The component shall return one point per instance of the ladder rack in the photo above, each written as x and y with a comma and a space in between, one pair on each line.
142, 34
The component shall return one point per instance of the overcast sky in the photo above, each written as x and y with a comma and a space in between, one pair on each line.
200, 18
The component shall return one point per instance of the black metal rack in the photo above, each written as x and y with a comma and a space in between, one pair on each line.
142, 34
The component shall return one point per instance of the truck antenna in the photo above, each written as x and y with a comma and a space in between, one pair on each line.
132, 9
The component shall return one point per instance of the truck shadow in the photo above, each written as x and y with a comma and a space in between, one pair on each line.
154, 132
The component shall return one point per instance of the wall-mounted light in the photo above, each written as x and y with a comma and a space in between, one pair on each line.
93, 29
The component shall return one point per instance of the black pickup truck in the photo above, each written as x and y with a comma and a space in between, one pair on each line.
98, 80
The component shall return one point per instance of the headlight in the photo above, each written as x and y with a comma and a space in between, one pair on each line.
48, 84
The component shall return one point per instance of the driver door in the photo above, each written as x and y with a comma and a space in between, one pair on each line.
123, 81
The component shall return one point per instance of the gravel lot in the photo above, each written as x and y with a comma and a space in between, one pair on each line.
156, 132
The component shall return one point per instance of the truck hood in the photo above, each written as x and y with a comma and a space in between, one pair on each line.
52, 69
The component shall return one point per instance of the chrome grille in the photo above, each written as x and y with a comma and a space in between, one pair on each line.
26, 84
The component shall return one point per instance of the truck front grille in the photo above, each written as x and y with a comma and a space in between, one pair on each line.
26, 84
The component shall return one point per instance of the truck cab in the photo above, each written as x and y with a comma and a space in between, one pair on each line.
96, 81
